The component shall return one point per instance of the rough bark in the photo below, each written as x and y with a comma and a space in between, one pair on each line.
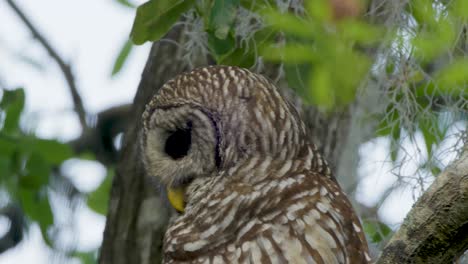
137, 216
436, 229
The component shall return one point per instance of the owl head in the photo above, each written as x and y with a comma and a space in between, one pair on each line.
212, 120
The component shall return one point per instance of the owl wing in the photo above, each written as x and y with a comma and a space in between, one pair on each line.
299, 219
314, 223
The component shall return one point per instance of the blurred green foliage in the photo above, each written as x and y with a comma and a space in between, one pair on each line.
376, 231
323, 63
122, 57
99, 198
27, 162
86, 257
126, 3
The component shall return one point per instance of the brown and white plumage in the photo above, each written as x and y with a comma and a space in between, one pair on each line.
257, 190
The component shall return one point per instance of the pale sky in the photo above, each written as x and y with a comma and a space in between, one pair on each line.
89, 34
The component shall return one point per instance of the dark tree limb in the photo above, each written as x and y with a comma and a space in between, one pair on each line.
64, 67
99, 137
436, 228
14, 235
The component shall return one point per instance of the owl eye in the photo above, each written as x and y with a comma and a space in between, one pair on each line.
179, 141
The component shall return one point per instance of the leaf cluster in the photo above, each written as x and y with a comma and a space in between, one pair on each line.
27, 164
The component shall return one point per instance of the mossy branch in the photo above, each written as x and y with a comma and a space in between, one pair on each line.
436, 228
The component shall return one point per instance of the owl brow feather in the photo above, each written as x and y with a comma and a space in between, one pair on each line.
214, 122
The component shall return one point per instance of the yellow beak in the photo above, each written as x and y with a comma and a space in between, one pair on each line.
176, 198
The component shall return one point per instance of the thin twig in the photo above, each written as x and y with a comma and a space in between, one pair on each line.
65, 68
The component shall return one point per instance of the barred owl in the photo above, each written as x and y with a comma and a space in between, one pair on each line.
239, 167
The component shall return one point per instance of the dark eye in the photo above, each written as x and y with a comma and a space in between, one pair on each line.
179, 141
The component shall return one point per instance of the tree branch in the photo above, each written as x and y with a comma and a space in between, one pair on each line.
14, 235
65, 68
436, 228
99, 139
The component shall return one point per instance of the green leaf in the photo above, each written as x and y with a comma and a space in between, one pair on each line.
126, 3
295, 53
257, 6
220, 48
435, 170
460, 8
432, 167
155, 17
320, 90
264, 37
246, 56
37, 207
87, 155
289, 24
7, 145
394, 148
222, 16
37, 173
389, 123
296, 76
319, 9
99, 199
430, 133
86, 257
424, 93
360, 32
376, 230
348, 69
52, 151
122, 57
453, 76
423, 12
5, 167
12, 104
432, 42
240, 57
